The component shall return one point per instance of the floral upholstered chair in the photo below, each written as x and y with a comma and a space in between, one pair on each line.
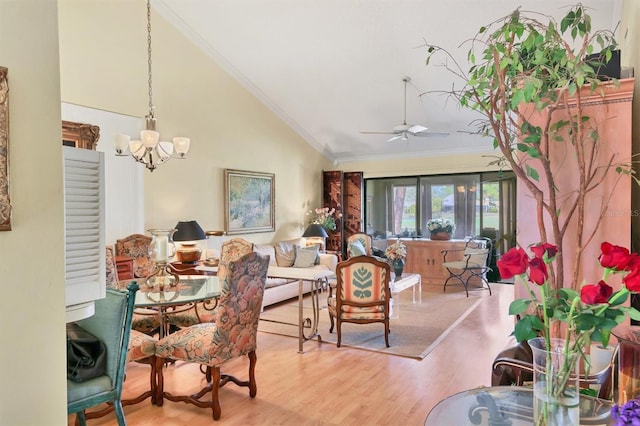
137, 246
233, 334
362, 294
231, 250
111, 270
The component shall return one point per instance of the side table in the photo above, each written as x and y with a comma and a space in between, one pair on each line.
124, 266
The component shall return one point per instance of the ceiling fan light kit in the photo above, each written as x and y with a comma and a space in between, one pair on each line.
404, 130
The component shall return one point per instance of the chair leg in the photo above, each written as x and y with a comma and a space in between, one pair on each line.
253, 386
215, 388
386, 331
117, 406
331, 321
80, 419
159, 377
339, 332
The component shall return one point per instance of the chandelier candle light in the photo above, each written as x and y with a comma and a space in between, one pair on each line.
149, 150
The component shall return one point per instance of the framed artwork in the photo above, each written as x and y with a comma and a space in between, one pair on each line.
249, 202
5, 200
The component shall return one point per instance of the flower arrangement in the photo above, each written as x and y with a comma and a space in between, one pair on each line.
441, 225
396, 251
627, 413
325, 217
587, 316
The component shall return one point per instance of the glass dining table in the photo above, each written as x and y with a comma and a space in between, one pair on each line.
506, 406
190, 290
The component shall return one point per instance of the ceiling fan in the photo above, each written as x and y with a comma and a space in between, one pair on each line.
404, 130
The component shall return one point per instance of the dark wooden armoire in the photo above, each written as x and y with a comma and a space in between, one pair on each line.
343, 191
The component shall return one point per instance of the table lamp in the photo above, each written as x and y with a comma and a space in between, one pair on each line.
315, 234
188, 234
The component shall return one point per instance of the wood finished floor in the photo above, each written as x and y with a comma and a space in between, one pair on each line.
335, 386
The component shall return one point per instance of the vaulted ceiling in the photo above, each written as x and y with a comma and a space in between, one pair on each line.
332, 69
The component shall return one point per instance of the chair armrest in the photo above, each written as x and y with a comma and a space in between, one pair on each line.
329, 260
445, 252
517, 369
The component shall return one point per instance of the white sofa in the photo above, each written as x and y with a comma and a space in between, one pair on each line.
283, 254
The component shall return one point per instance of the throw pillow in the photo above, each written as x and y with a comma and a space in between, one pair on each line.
356, 248
285, 253
305, 256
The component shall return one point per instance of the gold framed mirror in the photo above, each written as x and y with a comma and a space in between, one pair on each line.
80, 135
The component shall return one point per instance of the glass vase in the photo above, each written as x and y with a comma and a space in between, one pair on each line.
556, 396
628, 362
161, 250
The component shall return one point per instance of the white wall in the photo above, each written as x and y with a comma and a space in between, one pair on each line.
32, 306
124, 191
105, 68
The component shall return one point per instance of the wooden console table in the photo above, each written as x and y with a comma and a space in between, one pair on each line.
424, 257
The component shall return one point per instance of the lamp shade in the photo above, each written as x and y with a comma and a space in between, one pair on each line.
314, 230
189, 231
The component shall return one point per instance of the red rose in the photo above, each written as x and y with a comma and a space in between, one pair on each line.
538, 271
545, 248
512, 263
615, 257
632, 280
592, 294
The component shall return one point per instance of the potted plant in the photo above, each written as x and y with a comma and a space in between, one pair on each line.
440, 228
532, 81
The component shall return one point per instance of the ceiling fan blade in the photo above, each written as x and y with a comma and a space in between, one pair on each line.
395, 138
416, 128
431, 135
378, 133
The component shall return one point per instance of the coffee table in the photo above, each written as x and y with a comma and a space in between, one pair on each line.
402, 283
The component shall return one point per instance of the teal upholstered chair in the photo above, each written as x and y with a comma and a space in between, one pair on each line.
233, 334
111, 323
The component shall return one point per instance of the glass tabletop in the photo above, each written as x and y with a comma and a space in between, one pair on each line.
191, 288
506, 405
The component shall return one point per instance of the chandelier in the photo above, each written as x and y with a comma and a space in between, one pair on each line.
149, 150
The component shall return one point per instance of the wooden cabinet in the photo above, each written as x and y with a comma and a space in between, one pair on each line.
124, 265
424, 257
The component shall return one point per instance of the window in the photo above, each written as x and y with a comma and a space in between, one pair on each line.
478, 203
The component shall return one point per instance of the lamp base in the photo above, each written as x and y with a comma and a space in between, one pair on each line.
188, 253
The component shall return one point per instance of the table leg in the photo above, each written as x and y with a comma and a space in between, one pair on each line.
311, 323
300, 317
419, 285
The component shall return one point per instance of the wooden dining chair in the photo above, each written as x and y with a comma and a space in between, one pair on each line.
233, 334
362, 294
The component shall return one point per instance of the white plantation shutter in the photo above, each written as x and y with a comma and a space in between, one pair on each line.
84, 229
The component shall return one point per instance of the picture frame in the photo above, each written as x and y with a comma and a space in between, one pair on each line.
80, 135
5, 199
249, 202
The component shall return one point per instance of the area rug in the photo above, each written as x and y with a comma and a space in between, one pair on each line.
415, 332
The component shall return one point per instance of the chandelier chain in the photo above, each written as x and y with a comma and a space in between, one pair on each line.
149, 57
